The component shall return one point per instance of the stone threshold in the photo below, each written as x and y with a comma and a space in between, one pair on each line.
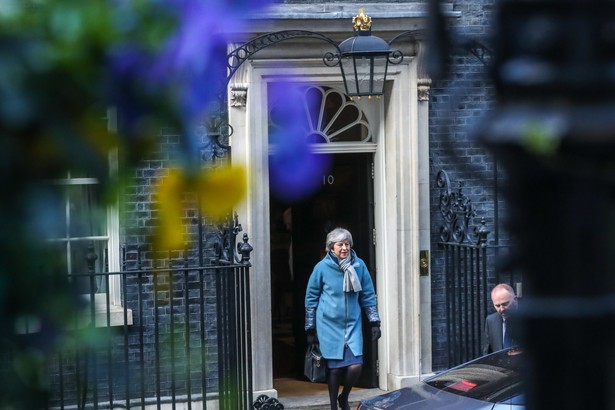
320, 401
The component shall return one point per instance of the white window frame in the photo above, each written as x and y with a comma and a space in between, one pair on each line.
115, 308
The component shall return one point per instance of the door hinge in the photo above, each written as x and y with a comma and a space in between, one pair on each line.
424, 263
377, 367
373, 171
374, 236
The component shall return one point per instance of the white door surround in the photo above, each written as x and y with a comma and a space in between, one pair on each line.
401, 185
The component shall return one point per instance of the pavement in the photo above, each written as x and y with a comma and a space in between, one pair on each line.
318, 399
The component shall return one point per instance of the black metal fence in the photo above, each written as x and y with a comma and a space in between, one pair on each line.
175, 336
472, 267
170, 347
470, 274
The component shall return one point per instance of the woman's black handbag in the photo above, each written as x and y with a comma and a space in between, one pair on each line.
314, 368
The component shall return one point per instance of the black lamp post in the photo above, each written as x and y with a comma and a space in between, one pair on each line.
364, 60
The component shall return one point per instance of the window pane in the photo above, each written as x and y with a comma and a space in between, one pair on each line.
380, 70
80, 253
79, 173
492, 378
58, 258
364, 74
350, 75
329, 116
54, 214
86, 216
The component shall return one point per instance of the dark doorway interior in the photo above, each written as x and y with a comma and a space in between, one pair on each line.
298, 232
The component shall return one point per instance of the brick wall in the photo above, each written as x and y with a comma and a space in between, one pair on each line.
138, 222
458, 103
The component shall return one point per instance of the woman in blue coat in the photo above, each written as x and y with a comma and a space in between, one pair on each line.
339, 287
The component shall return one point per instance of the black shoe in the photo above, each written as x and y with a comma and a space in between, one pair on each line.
343, 403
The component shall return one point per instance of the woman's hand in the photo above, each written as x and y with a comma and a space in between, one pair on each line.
376, 333
312, 337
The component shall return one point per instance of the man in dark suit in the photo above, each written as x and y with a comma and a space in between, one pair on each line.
497, 334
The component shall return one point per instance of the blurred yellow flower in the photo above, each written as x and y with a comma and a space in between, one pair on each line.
169, 232
221, 189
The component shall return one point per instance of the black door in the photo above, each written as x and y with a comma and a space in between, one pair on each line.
298, 232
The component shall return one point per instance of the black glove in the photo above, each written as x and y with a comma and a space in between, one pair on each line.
376, 333
312, 337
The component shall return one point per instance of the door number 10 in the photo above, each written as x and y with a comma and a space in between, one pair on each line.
328, 179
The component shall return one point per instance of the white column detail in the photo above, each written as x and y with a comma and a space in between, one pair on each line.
398, 214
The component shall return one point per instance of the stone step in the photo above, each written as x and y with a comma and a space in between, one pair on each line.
321, 401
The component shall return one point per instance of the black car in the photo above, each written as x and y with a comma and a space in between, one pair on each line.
490, 382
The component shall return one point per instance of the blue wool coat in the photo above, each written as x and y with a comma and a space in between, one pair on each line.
338, 313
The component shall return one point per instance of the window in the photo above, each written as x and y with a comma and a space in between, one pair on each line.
328, 116
88, 229
84, 226
83, 229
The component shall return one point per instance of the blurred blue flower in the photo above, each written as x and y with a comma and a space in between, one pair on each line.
191, 63
295, 170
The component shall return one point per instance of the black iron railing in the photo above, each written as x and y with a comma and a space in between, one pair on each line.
472, 267
167, 332
469, 275
183, 337
178, 335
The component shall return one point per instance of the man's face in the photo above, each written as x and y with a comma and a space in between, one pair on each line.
504, 302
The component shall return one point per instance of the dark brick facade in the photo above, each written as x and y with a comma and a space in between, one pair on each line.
138, 222
458, 102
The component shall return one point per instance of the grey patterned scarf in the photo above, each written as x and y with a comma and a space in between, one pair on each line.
351, 280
